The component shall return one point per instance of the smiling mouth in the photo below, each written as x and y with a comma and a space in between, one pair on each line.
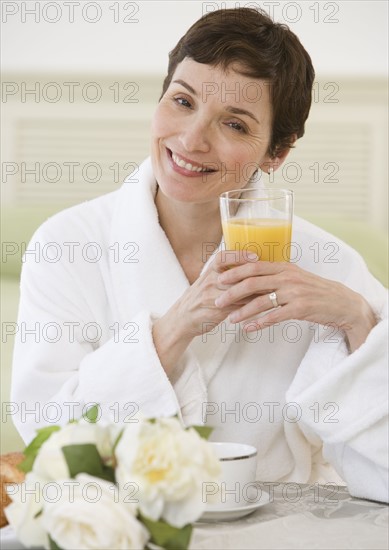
179, 161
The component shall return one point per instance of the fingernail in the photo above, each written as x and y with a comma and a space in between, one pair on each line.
252, 256
218, 302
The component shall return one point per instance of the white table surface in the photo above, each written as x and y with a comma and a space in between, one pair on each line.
302, 516
297, 516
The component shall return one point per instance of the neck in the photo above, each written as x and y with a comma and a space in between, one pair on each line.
194, 230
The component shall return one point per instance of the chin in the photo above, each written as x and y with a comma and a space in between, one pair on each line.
179, 193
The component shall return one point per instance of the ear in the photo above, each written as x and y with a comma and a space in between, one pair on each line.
271, 164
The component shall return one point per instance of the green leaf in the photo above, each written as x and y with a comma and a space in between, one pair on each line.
165, 535
53, 544
92, 414
203, 431
31, 451
86, 459
117, 441
27, 464
154, 420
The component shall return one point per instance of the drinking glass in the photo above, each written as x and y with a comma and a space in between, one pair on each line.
259, 221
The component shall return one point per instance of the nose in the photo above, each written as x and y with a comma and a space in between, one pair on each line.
195, 136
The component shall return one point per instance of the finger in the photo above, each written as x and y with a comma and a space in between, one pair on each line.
226, 259
242, 302
256, 306
222, 287
273, 317
251, 269
245, 288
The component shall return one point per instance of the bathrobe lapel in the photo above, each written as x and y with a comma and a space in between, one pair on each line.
146, 274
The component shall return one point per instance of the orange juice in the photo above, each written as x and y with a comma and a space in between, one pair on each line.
268, 238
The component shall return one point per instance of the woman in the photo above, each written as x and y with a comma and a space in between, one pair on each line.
157, 323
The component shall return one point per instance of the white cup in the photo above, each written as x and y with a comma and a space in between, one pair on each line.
237, 480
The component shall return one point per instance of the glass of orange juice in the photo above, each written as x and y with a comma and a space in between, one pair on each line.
259, 221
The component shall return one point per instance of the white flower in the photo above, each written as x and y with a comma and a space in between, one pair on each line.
90, 515
169, 465
23, 511
50, 462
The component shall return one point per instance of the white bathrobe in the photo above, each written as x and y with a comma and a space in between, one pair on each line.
96, 276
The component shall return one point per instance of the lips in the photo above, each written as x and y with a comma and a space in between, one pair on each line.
190, 165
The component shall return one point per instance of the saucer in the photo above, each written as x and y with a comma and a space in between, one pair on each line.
236, 512
9, 541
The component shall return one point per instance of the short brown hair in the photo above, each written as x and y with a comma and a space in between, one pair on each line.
265, 50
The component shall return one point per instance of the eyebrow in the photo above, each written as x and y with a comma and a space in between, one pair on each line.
187, 86
230, 109
239, 111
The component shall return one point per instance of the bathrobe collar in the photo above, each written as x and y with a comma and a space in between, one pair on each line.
146, 273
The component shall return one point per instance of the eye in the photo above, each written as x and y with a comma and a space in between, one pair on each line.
237, 126
182, 101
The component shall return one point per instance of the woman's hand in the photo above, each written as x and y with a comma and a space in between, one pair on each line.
300, 295
196, 309
195, 313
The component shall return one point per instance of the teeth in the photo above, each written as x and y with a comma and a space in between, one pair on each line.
187, 165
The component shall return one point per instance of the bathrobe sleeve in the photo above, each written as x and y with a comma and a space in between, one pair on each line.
342, 398
72, 350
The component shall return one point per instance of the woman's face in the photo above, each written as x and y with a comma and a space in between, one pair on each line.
210, 132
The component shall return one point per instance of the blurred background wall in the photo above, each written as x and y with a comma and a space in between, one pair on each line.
80, 81
346, 37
